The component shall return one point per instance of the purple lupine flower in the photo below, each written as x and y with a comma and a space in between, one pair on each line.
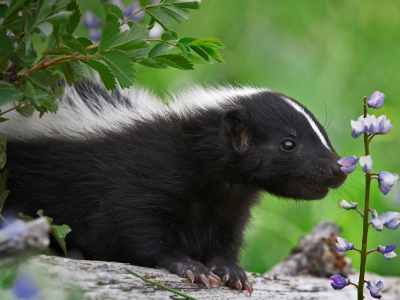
347, 206
366, 163
343, 245
392, 220
377, 222
349, 164
384, 125
25, 288
376, 100
375, 290
339, 282
373, 125
387, 251
386, 181
94, 34
90, 20
360, 126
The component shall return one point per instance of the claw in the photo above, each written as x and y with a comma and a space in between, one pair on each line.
214, 279
190, 275
239, 286
225, 278
205, 280
248, 287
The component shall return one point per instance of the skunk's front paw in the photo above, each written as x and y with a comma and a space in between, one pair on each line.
232, 275
197, 272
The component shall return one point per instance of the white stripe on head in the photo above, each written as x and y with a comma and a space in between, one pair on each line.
309, 119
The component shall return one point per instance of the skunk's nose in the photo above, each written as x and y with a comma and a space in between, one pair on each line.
338, 177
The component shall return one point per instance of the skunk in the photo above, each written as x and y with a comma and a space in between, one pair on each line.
167, 186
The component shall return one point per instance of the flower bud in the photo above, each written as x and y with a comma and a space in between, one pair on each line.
349, 164
376, 100
343, 245
384, 125
339, 282
346, 206
386, 181
387, 251
366, 163
375, 290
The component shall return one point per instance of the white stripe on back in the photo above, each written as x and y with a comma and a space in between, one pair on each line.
309, 119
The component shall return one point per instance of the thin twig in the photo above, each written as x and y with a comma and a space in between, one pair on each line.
12, 108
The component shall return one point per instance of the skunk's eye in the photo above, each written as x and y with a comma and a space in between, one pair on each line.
288, 145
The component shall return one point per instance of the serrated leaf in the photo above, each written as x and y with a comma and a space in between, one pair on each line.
109, 32
200, 52
139, 53
213, 53
75, 18
151, 24
40, 78
68, 73
174, 60
45, 30
73, 43
115, 10
59, 18
143, 3
85, 41
166, 36
122, 67
61, 4
14, 7
46, 100
8, 93
26, 110
58, 92
187, 40
182, 48
152, 64
13, 23
179, 14
3, 142
59, 233
58, 51
134, 38
159, 49
30, 58
28, 20
78, 70
29, 93
207, 42
105, 73
189, 4
25, 217
160, 16
43, 9
6, 47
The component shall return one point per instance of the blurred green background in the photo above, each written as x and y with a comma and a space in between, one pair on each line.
327, 55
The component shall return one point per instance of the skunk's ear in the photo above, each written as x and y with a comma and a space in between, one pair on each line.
238, 130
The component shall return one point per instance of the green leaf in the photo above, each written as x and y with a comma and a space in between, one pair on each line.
73, 43
28, 20
109, 32
187, 40
3, 160
43, 9
84, 41
58, 51
182, 48
166, 36
160, 16
13, 23
78, 70
40, 78
26, 110
75, 18
213, 53
26, 218
45, 30
3, 10
179, 14
29, 93
122, 67
6, 46
152, 64
134, 38
115, 10
3, 142
8, 93
59, 18
61, 4
151, 24
58, 92
135, 54
68, 73
207, 42
3, 119
143, 3
47, 101
21, 54
190, 4
59, 233
174, 60
14, 7
105, 73
159, 49
200, 52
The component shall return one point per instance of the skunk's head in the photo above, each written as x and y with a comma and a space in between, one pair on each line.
280, 147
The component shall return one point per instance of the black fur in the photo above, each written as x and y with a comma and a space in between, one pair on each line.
174, 192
